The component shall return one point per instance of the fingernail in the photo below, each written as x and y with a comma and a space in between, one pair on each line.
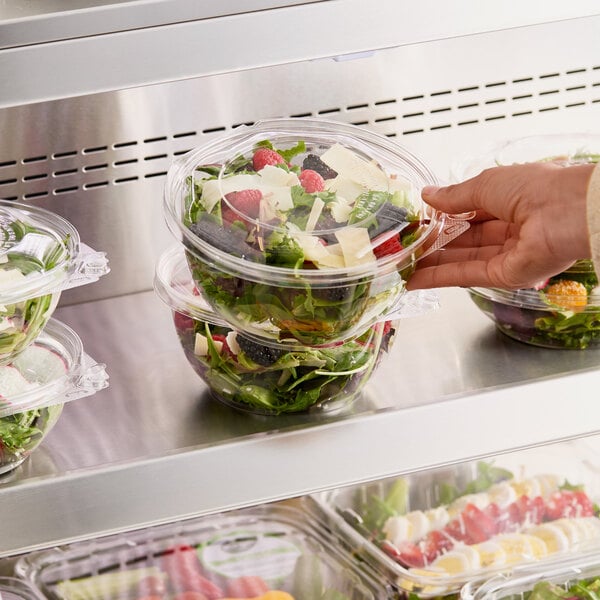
429, 190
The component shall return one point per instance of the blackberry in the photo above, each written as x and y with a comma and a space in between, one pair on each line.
389, 216
227, 240
327, 222
334, 294
314, 162
260, 354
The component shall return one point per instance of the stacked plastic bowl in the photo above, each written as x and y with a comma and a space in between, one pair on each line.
297, 238
564, 311
42, 362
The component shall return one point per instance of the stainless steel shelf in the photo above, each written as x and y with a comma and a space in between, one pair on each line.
61, 49
155, 447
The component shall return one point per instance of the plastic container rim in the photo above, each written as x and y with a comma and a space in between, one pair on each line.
298, 128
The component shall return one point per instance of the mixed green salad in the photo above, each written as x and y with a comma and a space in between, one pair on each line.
25, 252
22, 432
289, 227
274, 378
586, 589
564, 312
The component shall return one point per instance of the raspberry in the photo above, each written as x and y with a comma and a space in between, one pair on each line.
568, 294
311, 181
390, 246
247, 202
265, 156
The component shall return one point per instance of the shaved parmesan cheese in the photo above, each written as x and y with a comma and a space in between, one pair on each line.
232, 342
356, 246
345, 187
316, 252
274, 176
200, 345
279, 197
340, 210
315, 213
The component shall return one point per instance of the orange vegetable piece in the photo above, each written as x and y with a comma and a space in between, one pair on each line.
568, 294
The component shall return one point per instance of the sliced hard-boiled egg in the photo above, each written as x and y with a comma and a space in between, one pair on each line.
438, 517
502, 494
527, 487
420, 524
397, 529
491, 553
459, 560
521, 547
554, 537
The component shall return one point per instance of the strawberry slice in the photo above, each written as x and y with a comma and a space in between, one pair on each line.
479, 526
408, 554
436, 542
568, 503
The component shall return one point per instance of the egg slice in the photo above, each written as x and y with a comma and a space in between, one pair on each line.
527, 487
553, 536
458, 561
521, 547
438, 517
491, 554
502, 494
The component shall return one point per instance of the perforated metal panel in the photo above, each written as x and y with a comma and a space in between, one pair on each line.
100, 160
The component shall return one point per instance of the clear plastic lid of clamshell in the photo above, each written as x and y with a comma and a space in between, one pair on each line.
431, 532
41, 253
52, 370
270, 552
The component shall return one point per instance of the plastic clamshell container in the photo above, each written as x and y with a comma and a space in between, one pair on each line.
12, 588
563, 312
40, 256
321, 256
557, 580
270, 552
54, 369
263, 375
430, 533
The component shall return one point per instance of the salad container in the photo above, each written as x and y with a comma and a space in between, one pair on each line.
34, 387
40, 256
265, 553
564, 311
307, 225
577, 579
259, 374
430, 533
12, 588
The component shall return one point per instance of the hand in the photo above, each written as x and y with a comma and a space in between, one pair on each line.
530, 224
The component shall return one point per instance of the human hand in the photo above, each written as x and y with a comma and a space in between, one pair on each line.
530, 224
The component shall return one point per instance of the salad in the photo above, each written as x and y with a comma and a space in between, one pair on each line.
262, 374
22, 432
268, 378
308, 226
562, 312
257, 554
25, 252
432, 539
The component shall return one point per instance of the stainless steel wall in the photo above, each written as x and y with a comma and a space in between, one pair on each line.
100, 160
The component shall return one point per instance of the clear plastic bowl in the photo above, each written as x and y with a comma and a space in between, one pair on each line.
429, 533
40, 256
33, 389
262, 375
267, 248
563, 312
270, 552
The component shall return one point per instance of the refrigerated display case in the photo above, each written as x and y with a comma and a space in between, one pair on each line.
103, 96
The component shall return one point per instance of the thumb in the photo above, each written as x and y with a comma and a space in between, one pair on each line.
451, 199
